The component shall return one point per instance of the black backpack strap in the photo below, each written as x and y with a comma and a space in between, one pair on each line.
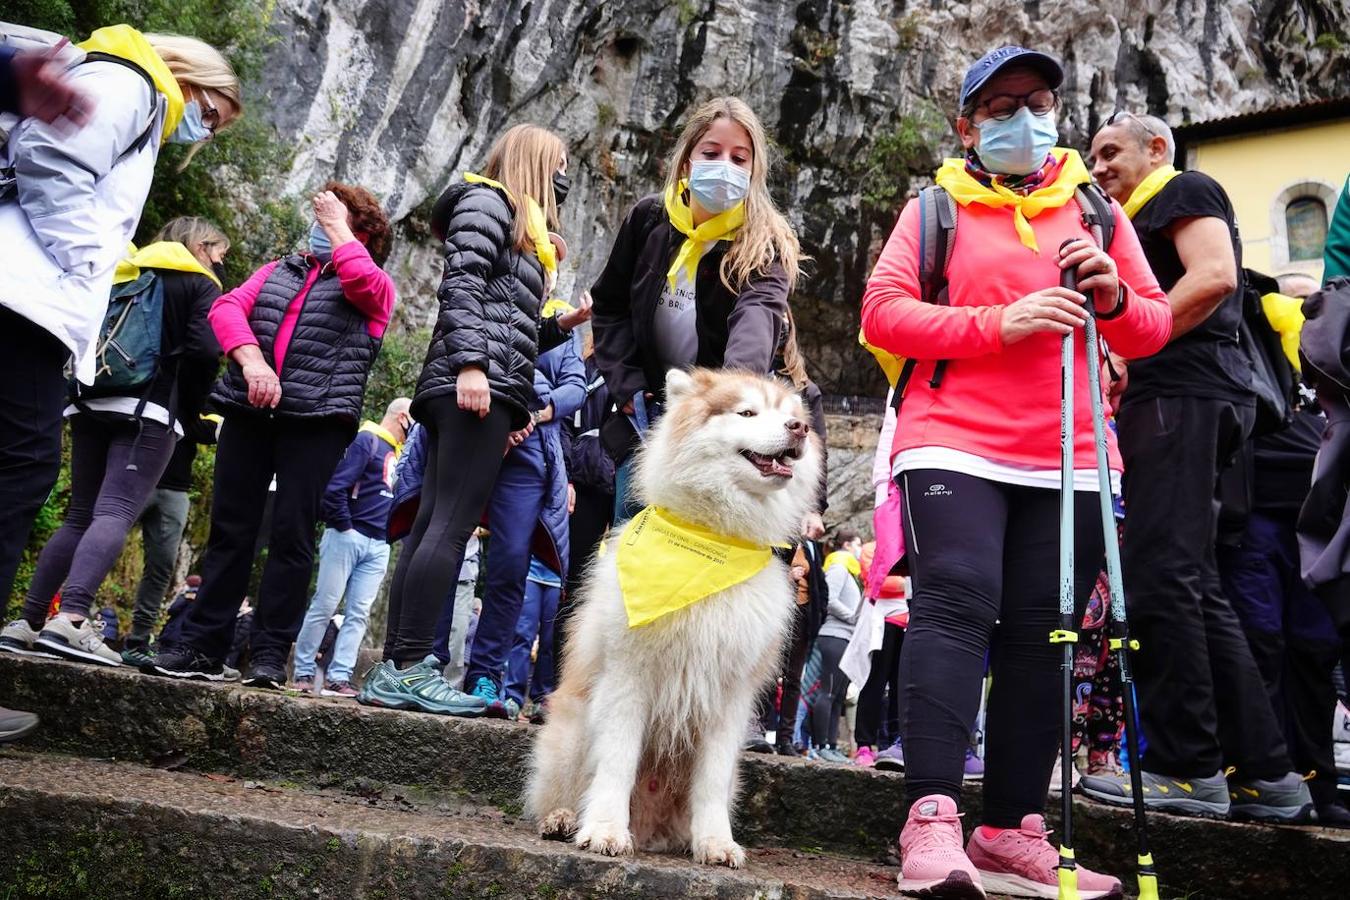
937, 232
1099, 216
140, 142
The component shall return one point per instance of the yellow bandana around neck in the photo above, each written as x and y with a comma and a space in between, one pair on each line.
169, 255
666, 564
536, 225
127, 43
1285, 315
383, 434
845, 559
1148, 188
721, 227
965, 189
555, 307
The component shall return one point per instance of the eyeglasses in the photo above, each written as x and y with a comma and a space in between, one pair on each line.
1003, 106
210, 114
1126, 114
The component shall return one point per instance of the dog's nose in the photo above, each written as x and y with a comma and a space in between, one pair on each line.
797, 428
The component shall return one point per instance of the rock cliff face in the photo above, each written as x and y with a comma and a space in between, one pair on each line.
401, 95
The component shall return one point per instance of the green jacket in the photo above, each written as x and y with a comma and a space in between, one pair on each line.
1336, 256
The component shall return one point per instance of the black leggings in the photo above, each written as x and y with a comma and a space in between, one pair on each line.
885, 671
983, 552
464, 454
829, 701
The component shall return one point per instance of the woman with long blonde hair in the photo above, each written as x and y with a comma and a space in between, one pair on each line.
699, 275
476, 399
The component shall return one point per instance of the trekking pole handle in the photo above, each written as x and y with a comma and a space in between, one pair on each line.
1068, 278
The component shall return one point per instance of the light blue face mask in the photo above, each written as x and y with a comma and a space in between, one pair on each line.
717, 184
1018, 145
190, 129
319, 244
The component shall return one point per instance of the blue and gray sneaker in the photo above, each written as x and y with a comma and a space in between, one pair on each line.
498, 707
420, 687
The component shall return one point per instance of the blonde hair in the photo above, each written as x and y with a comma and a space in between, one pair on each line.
766, 237
794, 364
191, 232
197, 63
524, 159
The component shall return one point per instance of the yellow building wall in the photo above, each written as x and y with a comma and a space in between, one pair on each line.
1256, 169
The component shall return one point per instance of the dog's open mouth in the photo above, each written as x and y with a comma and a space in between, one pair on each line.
773, 466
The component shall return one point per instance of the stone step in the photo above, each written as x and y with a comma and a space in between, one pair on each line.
339, 745
89, 828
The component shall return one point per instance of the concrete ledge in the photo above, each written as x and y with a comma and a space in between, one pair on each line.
451, 762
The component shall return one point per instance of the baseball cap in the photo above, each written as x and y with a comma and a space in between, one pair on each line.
995, 61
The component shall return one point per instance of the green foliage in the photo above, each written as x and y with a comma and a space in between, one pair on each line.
396, 369
1329, 40
897, 154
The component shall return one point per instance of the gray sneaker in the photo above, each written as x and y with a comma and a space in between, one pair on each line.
831, 754
1187, 796
1283, 800
420, 687
18, 638
82, 642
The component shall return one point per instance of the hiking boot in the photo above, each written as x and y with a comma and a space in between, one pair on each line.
486, 690
18, 638
16, 724
1284, 799
787, 748
82, 642
338, 689
137, 653
757, 744
186, 663
266, 674
420, 687
1187, 796
865, 757
303, 683
1021, 862
892, 759
832, 754
973, 769
932, 861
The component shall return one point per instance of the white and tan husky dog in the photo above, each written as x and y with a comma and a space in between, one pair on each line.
644, 732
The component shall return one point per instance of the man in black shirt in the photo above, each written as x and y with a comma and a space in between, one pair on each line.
1184, 414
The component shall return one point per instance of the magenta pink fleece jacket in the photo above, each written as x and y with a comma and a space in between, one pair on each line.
365, 285
1000, 403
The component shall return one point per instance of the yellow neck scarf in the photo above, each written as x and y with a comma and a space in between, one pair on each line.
169, 255
666, 564
129, 44
1156, 180
721, 227
383, 434
845, 559
965, 189
555, 307
536, 226
1285, 315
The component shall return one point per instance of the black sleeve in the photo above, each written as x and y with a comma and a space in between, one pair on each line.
756, 320
815, 406
477, 233
616, 350
1191, 195
551, 334
9, 93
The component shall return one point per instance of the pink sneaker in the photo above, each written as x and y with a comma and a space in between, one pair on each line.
865, 757
1022, 863
932, 862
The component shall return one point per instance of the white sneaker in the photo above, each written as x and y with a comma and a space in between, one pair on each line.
81, 642
18, 637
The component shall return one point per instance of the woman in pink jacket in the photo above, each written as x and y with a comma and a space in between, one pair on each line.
301, 335
976, 458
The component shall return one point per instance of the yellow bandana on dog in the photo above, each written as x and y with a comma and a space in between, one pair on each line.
666, 564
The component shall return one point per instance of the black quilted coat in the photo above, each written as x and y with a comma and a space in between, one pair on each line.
489, 300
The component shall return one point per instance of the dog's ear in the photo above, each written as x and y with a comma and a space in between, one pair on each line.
678, 383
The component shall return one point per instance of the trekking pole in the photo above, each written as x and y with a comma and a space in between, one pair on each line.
1119, 634
1067, 633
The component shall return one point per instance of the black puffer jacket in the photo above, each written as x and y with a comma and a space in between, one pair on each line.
489, 299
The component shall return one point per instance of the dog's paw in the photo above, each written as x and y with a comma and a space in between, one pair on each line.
715, 851
605, 839
558, 825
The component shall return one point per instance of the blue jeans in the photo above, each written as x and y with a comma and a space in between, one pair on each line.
626, 503
536, 617
352, 564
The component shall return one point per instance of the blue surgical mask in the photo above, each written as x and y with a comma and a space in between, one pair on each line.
1018, 145
319, 244
718, 184
190, 129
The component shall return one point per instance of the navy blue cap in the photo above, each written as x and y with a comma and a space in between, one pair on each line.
995, 61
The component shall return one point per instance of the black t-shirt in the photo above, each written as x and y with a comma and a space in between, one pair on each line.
1284, 464
1206, 361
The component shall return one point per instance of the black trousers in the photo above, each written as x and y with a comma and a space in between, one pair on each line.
34, 394
464, 454
1292, 638
1202, 702
983, 552
794, 659
873, 699
586, 527
302, 454
828, 704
